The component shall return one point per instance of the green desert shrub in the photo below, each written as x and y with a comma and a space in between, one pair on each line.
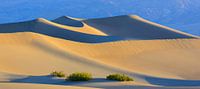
79, 76
58, 74
119, 77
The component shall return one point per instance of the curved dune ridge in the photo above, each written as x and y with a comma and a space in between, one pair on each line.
49, 28
157, 57
135, 27
80, 26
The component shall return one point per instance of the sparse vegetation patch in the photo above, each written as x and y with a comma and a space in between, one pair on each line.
119, 77
58, 74
79, 76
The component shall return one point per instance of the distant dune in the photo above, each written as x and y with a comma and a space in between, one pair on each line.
49, 28
157, 57
135, 27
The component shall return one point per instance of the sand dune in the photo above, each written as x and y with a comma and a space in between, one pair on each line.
136, 58
164, 59
40, 50
135, 27
49, 28
31, 50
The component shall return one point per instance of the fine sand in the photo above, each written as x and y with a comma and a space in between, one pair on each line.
157, 57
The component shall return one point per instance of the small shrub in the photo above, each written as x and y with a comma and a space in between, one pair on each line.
119, 77
79, 76
58, 74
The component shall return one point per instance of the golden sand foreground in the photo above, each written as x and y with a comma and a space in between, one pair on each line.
157, 57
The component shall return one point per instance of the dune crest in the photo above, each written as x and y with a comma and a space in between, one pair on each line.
81, 27
135, 27
49, 28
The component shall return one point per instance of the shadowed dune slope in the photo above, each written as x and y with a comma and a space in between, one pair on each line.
49, 28
69, 21
135, 27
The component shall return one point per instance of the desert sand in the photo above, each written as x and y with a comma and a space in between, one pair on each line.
156, 56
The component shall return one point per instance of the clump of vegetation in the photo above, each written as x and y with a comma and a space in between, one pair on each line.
79, 76
119, 77
58, 74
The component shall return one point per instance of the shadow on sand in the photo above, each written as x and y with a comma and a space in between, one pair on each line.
56, 81
49, 80
102, 83
172, 82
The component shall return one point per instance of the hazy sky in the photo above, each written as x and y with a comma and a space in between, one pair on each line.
173, 13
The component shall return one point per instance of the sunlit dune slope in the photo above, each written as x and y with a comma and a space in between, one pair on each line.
132, 26
49, 28
34, 54
165, 58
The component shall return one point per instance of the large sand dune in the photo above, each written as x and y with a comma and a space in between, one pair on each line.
49, 28
31, 50
132, 26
